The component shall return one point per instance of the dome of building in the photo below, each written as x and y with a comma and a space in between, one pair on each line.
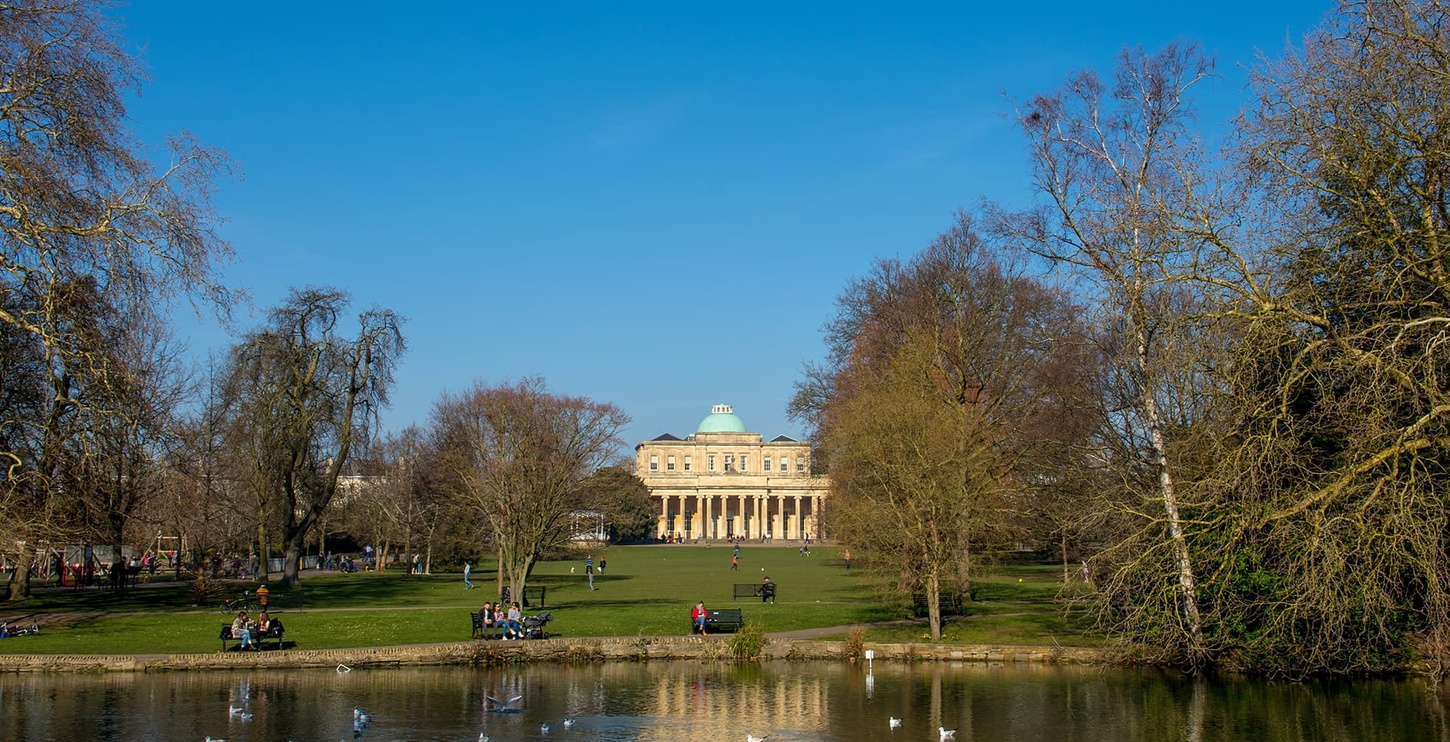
722, 420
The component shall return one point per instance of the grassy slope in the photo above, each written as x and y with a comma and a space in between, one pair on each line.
646, 590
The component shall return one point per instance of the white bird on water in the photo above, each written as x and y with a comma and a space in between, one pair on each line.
895, 722
568, 723
361, 717
214, 739
234, 710
947, 734
544, 728
482, 737
753, 738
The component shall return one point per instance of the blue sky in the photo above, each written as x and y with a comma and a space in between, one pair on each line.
651, 204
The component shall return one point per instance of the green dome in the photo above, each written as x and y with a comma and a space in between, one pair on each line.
722, 420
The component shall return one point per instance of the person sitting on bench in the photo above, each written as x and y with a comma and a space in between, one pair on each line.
241, 631
698, 616
515, 622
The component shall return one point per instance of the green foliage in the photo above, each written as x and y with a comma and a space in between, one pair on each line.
748, 644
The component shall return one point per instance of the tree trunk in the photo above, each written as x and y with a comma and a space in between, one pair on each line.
933, 604
1187, 585
20, 579
1066, 576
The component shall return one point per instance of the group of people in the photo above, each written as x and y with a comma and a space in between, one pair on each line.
248, 631
509, 617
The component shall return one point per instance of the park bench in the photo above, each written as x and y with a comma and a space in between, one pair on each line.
950, 604
533, 597
483, 631
724, 619
276, 633
754, 590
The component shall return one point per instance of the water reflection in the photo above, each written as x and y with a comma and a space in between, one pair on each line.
706, 701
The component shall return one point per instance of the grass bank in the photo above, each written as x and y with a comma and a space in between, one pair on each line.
645, 590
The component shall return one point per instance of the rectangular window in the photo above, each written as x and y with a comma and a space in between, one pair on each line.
689, 463
744, 465
670, 463
800, 465
729, 462
767, 464
711, 463
784, 464
654, 463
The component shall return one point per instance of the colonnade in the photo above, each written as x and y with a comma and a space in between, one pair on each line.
753, 516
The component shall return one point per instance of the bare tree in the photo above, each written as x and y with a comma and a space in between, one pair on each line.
1116, 163
305, 394
82, 212
517, 455
1344, 425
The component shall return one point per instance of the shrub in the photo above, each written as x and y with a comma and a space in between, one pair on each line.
747, 644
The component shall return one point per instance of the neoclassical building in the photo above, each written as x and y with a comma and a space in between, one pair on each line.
724, 481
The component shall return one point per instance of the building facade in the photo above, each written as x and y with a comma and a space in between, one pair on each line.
725, 482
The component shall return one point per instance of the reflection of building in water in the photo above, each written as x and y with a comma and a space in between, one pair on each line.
704, 704
725, 482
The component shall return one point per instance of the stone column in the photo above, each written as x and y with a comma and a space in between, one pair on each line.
664, 523
709, 517
797, 519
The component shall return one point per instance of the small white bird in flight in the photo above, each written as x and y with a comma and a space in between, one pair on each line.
947, 734
895, 722
509, 705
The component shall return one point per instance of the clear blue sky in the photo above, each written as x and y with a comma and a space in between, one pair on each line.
654, 205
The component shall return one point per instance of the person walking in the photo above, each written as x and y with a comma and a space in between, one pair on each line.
847, 555
467, 572
735, 563
589, 569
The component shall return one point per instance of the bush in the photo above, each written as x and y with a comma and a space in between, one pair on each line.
747, 644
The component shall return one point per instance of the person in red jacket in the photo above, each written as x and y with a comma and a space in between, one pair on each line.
698, 614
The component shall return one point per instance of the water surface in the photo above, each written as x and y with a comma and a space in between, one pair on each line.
715, 702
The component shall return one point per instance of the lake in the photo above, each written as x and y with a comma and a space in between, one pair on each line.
715, 702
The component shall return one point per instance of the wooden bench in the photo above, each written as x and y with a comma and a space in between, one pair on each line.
482, 631
950, 604
746, 590
723, 619
533, 597
277, 633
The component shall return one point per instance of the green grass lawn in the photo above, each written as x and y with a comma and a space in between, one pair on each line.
646, 590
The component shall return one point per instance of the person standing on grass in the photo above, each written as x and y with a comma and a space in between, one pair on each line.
467, 571
735, 562
847, 555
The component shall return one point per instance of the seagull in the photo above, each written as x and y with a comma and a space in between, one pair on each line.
244, 716
342, 669
504, 707
947, 734
361, 717
753, 738
482, 737
568, 723
544, 728
895, 722
234, 710
214, 739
